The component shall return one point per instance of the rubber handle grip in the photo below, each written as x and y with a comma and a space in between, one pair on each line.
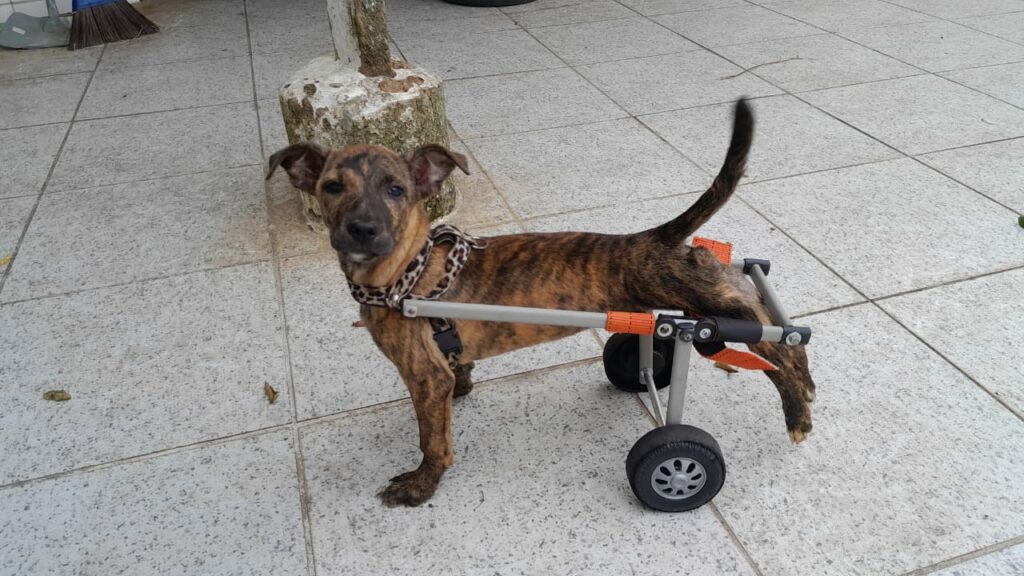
727, 330
630, 323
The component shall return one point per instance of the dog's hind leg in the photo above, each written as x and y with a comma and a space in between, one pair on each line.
701, 284
463, 379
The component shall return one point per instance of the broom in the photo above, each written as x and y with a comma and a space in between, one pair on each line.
100, 21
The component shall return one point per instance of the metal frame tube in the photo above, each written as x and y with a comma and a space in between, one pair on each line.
652, 395
771, 333
771, 300
677, 389
647, 377
646, 355
516, 314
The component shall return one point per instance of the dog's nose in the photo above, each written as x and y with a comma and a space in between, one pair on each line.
363, 231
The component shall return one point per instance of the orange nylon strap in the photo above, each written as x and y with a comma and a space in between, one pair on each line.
721, 250
630, 323
741, 359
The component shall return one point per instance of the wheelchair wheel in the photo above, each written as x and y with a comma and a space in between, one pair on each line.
675, 468
622, 362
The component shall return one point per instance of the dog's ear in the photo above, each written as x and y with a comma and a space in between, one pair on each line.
430, 165
304, 162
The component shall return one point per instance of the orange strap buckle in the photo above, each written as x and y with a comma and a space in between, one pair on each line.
721, 250
630, 323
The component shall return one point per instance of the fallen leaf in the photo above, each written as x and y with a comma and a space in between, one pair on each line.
5, 260
270, 392
726, 367
56, 396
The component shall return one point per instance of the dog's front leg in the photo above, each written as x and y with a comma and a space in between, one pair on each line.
430, 384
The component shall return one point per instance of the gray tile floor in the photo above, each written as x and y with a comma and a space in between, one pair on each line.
146, 268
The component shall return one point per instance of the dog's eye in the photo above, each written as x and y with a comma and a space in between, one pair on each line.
396, 191
334, 187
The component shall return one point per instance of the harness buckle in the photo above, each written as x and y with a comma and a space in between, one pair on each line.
448, 341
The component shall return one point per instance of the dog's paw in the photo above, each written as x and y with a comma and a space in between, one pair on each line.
409, 489
463, 379
799, 433
462, 387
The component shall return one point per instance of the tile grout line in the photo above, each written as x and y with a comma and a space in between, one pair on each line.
735, 538
313, 421
467, 139
41, 76
979, 91
548, 26
873, 302
950, 282
161, 111
621, 107
129, 67
954, 21
407, 401
993, 395
905, 155
797, 96
151, 179
300, 463
953, 148
42, 125
145, 456
937, 74
6, 272
964, 558
747, 556
964, 184
823, 32
639, 117
517, 218
839, 34
135, 281
276, 262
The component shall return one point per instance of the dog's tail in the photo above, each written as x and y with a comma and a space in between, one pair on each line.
676, 231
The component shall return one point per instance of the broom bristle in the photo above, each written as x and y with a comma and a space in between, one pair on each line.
109, 22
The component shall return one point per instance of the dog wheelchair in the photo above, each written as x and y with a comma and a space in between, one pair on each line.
674, 467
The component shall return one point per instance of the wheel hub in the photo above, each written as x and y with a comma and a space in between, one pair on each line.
678, 478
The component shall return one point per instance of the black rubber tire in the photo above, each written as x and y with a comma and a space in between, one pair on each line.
488, 3
668, 442
622, 362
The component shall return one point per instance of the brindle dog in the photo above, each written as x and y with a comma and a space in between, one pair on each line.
372, 202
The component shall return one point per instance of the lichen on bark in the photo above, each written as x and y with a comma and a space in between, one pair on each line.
335, 108
370, 23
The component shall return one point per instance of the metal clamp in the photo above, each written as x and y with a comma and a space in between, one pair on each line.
668, 326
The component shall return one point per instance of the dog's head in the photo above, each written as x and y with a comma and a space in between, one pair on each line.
368, 195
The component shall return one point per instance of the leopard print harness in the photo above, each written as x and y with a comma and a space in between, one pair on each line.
445, 334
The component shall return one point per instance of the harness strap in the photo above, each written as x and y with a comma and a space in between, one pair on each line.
445, 334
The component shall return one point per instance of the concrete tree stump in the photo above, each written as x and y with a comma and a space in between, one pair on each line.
361, 95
